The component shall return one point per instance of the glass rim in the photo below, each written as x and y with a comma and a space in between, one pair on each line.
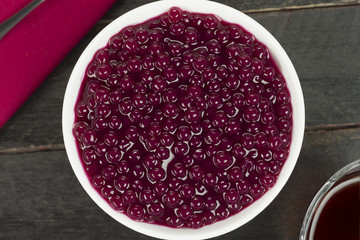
347, 172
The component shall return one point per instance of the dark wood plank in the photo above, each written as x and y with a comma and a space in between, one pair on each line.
247, 6
322, 43
40, 197
38, 121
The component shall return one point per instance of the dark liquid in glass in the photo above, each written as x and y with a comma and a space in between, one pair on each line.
340, 217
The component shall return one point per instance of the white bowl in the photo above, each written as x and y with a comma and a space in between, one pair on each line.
146, 12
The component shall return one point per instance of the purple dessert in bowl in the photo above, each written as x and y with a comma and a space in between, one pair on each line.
183, 119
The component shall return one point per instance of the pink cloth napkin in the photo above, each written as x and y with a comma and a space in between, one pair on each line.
31, 50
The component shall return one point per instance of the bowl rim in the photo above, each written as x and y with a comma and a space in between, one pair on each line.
229, 14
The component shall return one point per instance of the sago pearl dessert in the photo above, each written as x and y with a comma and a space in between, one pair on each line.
183, 120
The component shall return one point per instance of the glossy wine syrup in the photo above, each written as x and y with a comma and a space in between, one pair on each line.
183, 120
339, 217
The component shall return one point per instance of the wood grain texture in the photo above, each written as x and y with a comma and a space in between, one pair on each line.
38, 121
322, 43
247, 6
40, 197
324, 47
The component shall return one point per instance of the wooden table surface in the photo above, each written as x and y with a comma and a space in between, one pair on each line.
40, 197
